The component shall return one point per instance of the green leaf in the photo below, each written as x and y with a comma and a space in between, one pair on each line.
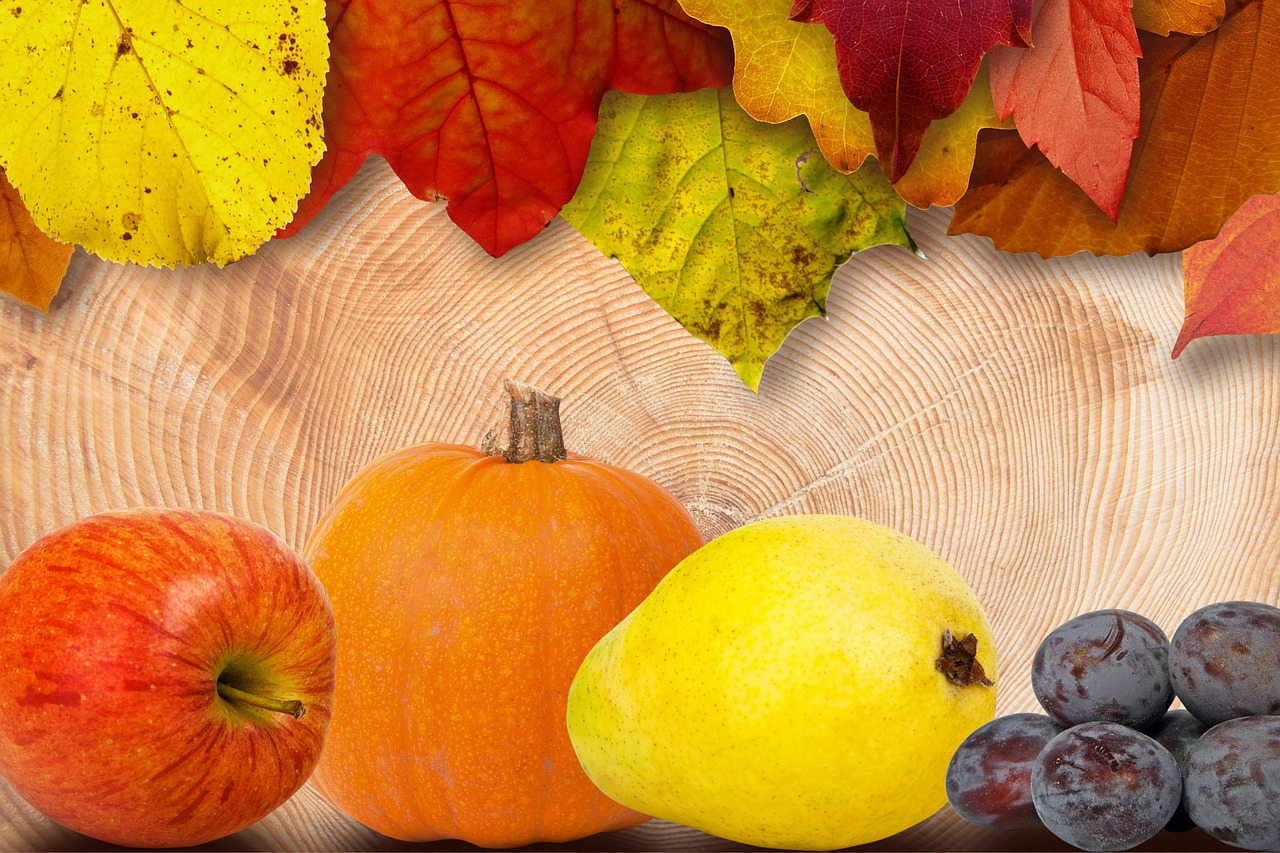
733, 226
159, 131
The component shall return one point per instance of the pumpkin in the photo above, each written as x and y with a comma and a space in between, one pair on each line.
468, 584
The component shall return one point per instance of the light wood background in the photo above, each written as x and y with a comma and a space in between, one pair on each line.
1020, 417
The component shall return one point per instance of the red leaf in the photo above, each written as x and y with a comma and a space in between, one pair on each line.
908, 63
1233, 281
492, 106
1075, 94
1210, 121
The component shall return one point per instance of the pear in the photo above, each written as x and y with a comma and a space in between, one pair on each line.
799, 682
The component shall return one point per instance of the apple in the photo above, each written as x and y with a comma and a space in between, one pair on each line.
166, 676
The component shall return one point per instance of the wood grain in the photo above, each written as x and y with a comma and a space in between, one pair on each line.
1020, 417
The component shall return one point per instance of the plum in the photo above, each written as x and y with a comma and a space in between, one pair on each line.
1232, 788
1225, 661
1104, 666
1105, 786
989, 777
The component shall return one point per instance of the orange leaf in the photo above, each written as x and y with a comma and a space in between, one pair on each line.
1074, 93
31, 264
1233, 281
1192, 17
1210, 118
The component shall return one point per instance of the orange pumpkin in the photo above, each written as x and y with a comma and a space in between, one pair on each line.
467, 586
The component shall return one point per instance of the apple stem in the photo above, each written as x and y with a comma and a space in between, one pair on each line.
292, 707
533, 427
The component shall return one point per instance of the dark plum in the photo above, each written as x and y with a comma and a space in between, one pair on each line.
1105, 786
1224, 661
1104, 666
1177, 731
989, 777
1232, 788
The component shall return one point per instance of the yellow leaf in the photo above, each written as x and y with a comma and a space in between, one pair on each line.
162, 132
31, 265
784, 68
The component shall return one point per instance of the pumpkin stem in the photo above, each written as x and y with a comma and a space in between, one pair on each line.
533, 426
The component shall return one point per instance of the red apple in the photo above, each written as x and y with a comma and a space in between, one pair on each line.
166, 676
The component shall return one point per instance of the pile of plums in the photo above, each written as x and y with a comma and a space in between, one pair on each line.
1110, 765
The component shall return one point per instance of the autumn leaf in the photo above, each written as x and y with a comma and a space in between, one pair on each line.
1075, 93
784, 69
940, 173
1233, 281
491, 106
1193, 17
31, 265
909, 65
735, 227
161, 132
1210, 120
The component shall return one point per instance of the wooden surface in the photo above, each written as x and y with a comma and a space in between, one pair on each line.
1020, 417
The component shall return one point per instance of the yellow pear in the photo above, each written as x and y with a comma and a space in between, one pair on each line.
799, 682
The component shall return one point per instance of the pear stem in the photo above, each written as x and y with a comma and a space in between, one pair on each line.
959, 661
292, 707
533, 427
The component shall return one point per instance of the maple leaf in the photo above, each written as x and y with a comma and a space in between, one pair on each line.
1193, 17
911, 63
784, 69
735, 227
1233, 281
491, 106
1210, 118
161, 132
31, 265
1075, 93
